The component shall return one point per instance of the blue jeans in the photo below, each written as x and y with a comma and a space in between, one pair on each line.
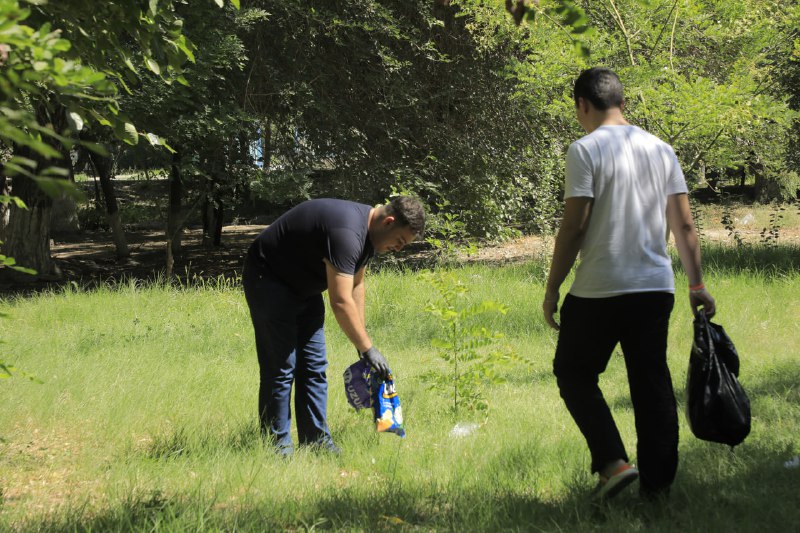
290, 343
590, 330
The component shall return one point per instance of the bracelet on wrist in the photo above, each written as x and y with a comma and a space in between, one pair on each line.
700, 287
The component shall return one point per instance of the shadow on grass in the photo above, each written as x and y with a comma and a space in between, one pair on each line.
781, 381
180, 442
715, 491
748, 489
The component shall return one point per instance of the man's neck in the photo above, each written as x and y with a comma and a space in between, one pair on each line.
609, 117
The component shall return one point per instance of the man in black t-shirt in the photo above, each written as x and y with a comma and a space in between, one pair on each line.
318, 245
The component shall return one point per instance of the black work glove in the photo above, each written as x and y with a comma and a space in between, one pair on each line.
377, 361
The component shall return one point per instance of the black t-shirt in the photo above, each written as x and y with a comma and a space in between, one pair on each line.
293, 247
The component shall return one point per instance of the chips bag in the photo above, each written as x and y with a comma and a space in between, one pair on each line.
357, 385
386, 407
364, 389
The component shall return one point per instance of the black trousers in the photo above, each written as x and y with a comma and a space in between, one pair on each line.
590, 330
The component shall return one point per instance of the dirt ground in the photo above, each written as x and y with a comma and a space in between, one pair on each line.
88, 257
91, 255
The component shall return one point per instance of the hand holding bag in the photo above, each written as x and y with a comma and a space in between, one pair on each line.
717, 406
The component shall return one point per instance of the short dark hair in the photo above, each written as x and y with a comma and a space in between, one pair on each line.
601, 86
408, 211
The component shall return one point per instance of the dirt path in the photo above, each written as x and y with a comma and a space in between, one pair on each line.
91, 255
88, 257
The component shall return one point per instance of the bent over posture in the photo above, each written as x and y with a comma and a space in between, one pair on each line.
624, 187
318, 245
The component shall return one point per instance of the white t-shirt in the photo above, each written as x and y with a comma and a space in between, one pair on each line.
629, 173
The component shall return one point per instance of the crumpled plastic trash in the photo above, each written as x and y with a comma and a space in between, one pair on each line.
463, 429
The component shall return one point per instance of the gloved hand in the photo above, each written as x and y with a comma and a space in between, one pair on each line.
377, 361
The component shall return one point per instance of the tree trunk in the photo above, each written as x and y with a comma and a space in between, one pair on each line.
64, 212
212, 203
266, 149
213, 210
219, 212
175, 213
170, 261
104, 169
5, 210
27, 235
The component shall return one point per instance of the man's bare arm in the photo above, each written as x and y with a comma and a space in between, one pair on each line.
577, 211
341, 291
679, 218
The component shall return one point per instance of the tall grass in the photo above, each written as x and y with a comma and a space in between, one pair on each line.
145, 419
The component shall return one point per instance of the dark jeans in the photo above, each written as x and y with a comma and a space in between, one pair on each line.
290, 342
590, 330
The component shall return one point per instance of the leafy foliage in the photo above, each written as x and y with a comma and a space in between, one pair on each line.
392, 93
6, 369
37, 62
62, 60
700, 75
473, 352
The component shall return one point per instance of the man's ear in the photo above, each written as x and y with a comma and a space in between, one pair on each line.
388, 220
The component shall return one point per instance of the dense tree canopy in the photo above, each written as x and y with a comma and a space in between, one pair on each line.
457, 101
60, 62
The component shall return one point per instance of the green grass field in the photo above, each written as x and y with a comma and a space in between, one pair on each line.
145, 417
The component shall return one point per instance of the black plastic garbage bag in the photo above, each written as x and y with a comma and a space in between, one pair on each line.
717, 406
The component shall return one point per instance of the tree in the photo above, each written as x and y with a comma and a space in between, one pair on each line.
358, 96
699, 74
53, 85
202, 120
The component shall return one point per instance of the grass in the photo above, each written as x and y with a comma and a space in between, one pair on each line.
145, 417
751, 223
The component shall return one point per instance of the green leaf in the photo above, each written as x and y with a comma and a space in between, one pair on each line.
153, 8
581, 49
12, 199
220, 3
183, 46
6, 371
75, 120
129, 134
55, 171
129, 64
153, 65
95, 147
152, 139
103, 121
24, 161
56, 188
24, 270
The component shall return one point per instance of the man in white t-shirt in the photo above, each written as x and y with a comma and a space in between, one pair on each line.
624, 188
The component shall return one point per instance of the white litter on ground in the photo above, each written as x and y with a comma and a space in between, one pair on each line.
463, 429
794, 462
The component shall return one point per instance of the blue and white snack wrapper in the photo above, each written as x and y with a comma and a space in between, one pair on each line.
386, 407
364, 389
